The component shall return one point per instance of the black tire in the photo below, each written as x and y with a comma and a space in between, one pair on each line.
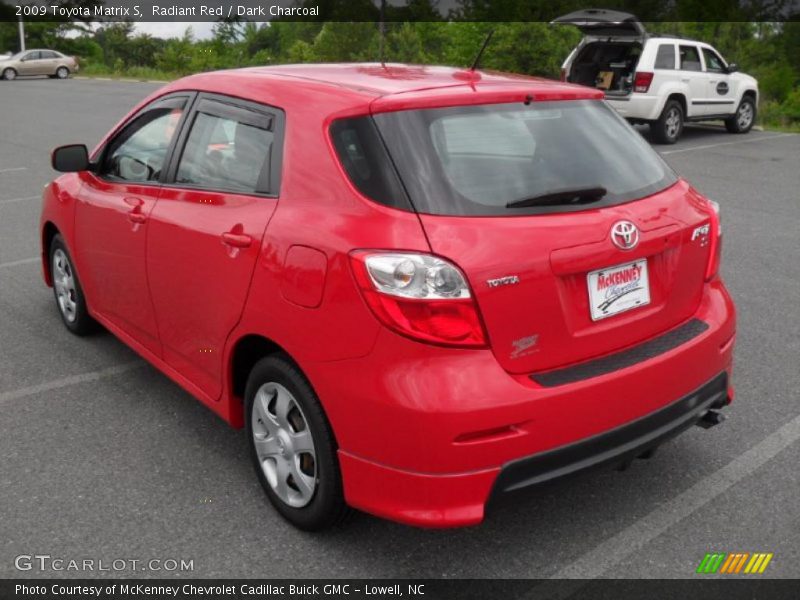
9, 74
62, 72
744, 118
327, 506
78, 322
666, 130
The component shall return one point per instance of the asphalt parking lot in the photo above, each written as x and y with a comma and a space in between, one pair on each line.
103, 457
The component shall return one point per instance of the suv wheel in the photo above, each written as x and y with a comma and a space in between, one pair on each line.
67, 290
669, 126
9, 74
744, 118
292, 445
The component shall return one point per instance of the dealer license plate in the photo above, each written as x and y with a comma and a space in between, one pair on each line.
617, 289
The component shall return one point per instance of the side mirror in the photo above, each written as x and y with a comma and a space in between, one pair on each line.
733, 67
70, 159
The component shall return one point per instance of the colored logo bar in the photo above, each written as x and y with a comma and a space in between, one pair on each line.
735, 562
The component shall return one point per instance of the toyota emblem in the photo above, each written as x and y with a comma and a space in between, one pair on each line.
625, 235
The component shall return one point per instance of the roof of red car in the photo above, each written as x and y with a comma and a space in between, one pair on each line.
385, 87
391, 78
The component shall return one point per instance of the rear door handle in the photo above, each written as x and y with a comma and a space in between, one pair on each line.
236, 240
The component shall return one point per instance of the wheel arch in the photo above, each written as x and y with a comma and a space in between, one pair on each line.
752, 93
680, 97
244, 353
49, 231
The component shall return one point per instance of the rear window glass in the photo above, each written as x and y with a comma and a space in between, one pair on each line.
665, 57
474, 160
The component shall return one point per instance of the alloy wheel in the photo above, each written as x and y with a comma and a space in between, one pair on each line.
64, 282
284, 445
673, 123
745, 115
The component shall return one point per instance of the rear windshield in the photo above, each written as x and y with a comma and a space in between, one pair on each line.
474, 160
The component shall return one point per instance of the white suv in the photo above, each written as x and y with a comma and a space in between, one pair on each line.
663, 81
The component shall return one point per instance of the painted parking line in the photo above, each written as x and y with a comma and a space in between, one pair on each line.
11, 170
736, 143
68, 381
13, 200
22, 261
603, 557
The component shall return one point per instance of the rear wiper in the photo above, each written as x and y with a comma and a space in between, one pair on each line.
564, 196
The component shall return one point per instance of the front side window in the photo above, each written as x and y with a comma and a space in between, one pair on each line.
665, 56
714, 63
224, 152
690, 59
477, 160
139, 152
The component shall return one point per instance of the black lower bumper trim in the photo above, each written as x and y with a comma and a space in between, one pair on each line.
613, 362
616, 446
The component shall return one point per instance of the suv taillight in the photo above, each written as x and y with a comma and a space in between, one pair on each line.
642, 81
715, 251
420, 296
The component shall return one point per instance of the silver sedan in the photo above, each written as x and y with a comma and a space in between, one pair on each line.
38, 62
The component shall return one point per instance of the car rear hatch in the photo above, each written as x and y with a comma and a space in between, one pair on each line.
600, 22
537, 268
608, 55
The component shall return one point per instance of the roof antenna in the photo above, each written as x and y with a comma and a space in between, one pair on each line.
382, 29
480, 52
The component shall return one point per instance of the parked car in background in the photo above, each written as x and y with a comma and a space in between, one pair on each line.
661, 81
38, 62
418, 289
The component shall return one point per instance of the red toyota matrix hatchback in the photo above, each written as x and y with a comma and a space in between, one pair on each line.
418, 289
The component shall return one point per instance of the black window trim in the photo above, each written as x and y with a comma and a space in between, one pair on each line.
269, 180
100, 156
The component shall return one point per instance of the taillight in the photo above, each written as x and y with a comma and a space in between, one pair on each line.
715, 251
642, 81
419, 296
563, 74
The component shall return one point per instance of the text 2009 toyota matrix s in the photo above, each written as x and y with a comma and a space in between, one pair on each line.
418, 289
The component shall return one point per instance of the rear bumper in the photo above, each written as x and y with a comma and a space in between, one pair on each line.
427, 435
461, 499
618, 445
637, 106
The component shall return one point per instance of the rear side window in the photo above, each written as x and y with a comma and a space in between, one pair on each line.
363, 157
690, 59
230, 150
475, 160
665, 57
